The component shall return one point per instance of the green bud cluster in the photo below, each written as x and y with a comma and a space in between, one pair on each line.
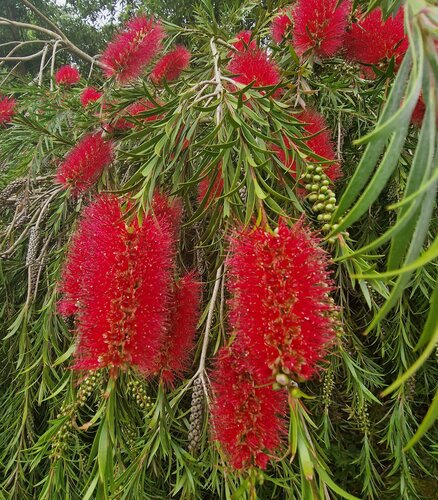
196, 412
88, 386
363, 418
130, 435
410, 387
323, 199
327, 389
138, 393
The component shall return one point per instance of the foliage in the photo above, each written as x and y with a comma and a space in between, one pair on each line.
214, 143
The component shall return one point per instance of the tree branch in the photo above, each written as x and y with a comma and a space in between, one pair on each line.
55, 35
43, 17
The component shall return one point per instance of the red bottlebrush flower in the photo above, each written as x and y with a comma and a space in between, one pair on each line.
418, 113
319, 26
141, 107
132, 49
7, 109
254, 66
134, 109
244, 42
246, 411
83, 165
280, 306
216, 189
282, 24
90, 94
177, 342
67, 75
374, 41
171, 65
319, 142
169, 211
117, 279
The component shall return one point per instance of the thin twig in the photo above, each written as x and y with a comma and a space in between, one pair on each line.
208, 323
52, 63
43, 59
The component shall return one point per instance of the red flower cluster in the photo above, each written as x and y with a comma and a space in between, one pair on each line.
216, 189
319, 26
280, 305
171, 65
133, 110
132, 49
419, 112
319, 142
67, 75
254, 65
88, 95
7, 109
243, 42
282, 317
178, 338
374, 41
246, 411
83, 165
281, 25
117, 280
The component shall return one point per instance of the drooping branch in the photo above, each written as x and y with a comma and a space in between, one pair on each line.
54, 36
38, 13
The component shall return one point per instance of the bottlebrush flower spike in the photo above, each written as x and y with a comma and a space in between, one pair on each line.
134, 109
216, 190
7, 109
374, 41
282, 24
419, 112
244, 42
168, 211
89, 95
117, 279
319, 142
171, 65
254, 66
280, 305
67, 75
246, 411
177, 342
83, 165
319, 26
132, 49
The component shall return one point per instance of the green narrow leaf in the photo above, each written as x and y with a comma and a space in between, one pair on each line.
373, 151
426, 424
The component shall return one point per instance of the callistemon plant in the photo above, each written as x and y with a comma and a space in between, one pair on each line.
283, 321
218, 234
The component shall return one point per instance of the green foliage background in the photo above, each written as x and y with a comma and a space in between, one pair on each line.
62, 436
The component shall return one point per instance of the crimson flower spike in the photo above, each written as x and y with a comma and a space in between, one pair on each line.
132, 49
67, 75
280, 305
320, 142
117, 280
246, 412
373, 41
281, 24
319, 26
84, 164
171, 65
254, 65
7, 109
90, 95
177, 343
